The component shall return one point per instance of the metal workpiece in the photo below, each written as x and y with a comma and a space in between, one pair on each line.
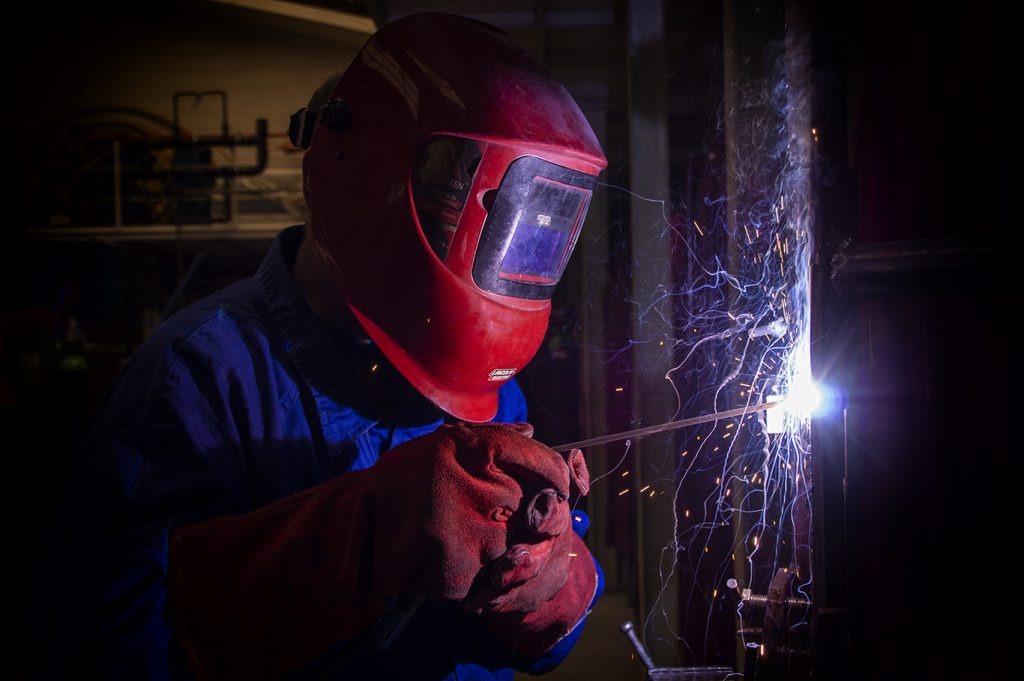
655, 673
775, 329
629, 629
748, 597
761, 600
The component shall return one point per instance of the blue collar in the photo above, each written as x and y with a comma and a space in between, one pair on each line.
334, 365
316, 356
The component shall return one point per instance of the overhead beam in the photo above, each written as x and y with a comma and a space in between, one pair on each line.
315, 15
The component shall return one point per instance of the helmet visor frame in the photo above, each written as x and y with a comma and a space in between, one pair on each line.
520, 218
531, 228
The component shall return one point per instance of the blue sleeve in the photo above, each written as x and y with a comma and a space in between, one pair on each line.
168, 448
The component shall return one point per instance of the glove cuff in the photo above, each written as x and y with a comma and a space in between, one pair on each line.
255, 596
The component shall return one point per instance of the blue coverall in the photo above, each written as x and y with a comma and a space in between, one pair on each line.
235, 402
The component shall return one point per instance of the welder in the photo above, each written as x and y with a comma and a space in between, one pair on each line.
305, 475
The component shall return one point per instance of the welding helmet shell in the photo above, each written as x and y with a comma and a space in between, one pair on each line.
447, 178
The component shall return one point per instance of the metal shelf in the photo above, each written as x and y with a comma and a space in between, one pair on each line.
246, 230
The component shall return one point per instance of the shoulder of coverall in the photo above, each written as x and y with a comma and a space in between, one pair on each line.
262, 328
258, 326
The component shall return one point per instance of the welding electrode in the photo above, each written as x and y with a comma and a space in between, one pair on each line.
671, 425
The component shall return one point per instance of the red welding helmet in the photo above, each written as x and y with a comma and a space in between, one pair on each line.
447, 178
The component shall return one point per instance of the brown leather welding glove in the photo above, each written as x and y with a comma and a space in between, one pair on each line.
255, 596
541, 587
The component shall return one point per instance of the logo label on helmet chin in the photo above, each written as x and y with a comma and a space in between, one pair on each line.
501, 374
